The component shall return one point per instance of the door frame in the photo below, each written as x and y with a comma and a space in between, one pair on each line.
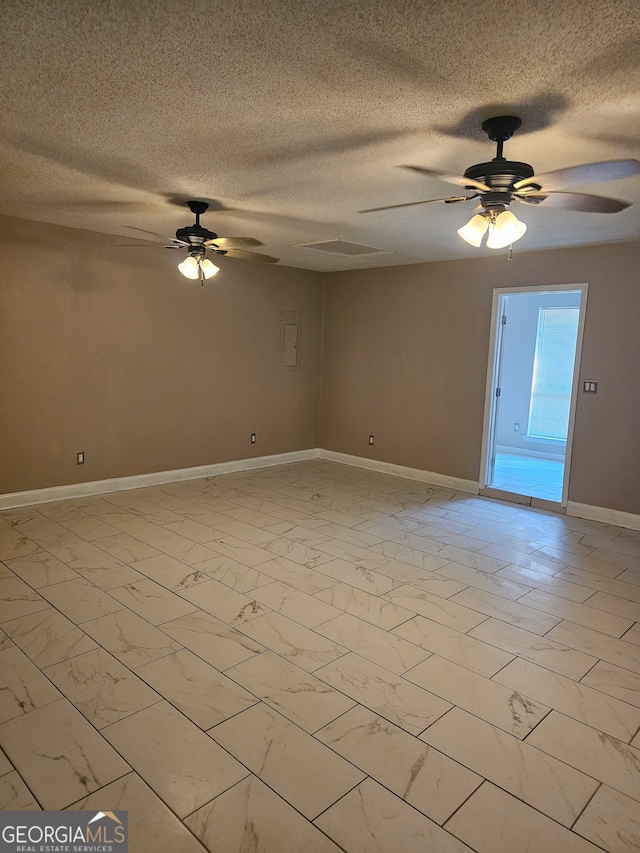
493, 375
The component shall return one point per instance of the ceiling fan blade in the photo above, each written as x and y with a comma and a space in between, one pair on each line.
245, 256
459, 180
589, 173
233, 242
575, 201
413, 203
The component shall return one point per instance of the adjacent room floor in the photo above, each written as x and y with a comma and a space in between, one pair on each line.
315, 657
529, 475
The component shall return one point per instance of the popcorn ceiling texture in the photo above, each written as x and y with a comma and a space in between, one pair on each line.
290, 116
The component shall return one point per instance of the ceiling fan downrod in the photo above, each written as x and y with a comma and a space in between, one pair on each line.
500, 129
198, 208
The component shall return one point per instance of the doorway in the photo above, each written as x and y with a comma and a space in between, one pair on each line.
536, 341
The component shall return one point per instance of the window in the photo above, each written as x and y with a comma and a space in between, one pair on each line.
553, 373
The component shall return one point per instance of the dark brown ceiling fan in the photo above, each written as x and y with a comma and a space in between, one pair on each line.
499, 182
198, 240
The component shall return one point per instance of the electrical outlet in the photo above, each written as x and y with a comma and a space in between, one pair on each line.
253, 438
80, 457
370, 439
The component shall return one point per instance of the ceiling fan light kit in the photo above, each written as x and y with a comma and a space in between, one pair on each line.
194, 266
499, 182
475, 229
503, 228
190, 268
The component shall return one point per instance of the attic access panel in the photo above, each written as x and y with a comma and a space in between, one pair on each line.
342, 248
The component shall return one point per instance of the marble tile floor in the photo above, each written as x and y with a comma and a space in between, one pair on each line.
315, 657
528, 475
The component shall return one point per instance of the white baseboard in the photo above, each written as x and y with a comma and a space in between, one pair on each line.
470, 486
139, 481
607, 516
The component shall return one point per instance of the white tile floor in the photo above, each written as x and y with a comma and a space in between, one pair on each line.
528, 475
315, 657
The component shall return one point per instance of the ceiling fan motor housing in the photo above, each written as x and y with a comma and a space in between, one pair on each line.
195, 234
499, 174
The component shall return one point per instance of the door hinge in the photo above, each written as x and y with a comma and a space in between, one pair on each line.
497, 392
504, 319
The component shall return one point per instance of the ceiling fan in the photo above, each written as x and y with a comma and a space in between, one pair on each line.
198, 241
497, 183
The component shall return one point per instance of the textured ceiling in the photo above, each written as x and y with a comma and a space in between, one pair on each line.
290, 116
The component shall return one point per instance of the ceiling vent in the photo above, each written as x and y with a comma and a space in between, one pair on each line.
342, 248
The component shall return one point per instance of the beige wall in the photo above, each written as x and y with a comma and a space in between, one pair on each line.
405, 358
111, 351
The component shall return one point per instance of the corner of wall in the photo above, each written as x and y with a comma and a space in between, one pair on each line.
319, 437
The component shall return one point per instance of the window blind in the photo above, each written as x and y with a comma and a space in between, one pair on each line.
553, 372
